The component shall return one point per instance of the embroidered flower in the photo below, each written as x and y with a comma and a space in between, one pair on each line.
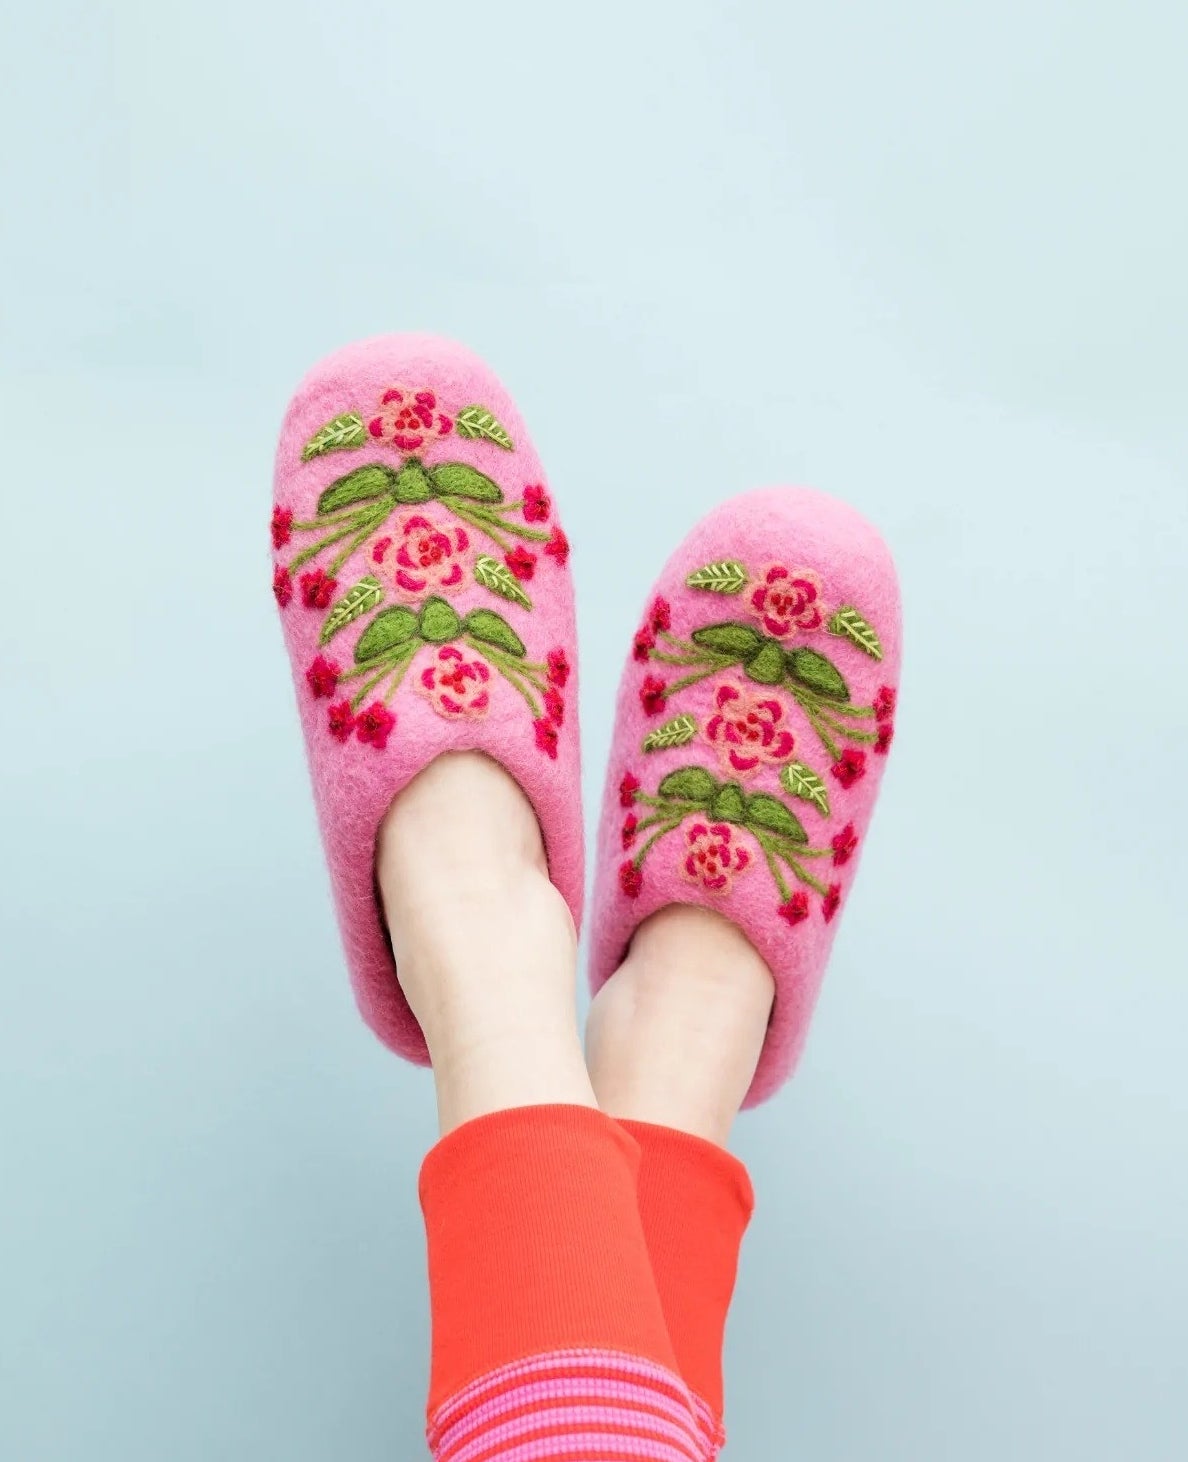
374, 725
425, 557
282, 526
745, 729
282, 584
884, 703
831, 901
786, 599
554, 705
883, 742
652, 695
844, 844
409, 419
558, 545
455, 686
630, 879
322, 677
536, 504
850, 767
712, 857
558, 667
796, 909
317, 589
660, 614
521, 562
342, 720
627, 833
545, 732
628, 787
644, 644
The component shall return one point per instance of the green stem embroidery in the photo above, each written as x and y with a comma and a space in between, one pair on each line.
504, 665
654, 839
312, 552
775, 871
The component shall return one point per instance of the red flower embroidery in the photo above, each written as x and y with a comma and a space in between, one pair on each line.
317, 589
628, 787
409, 419
850, 767
645, 643
558, 545
884, 703
712, 857
831, 901
630, 879
844, 844
883, 742
322, 677
425, 557
746, 729
521, 562
630, 823
545, 732
342, 720
652, 695
660, 616
554, 705
374, 725
536, 504
558, 667
282, 584
797, 907
455, 686
786, 599
282, 526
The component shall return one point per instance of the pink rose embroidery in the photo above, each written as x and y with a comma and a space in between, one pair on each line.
455, 686
425, 557
786, 599
746, 729
712, 856
409, 419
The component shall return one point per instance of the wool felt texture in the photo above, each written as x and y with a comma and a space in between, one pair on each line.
754, 719
421, 575
549, 1339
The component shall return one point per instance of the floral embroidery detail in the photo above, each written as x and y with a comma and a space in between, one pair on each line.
455, 686
796, 910
786, 600
558, 667
558, 545
536, 504
322, 677
745, 729
884, 703
545, 731
374, 725
831, 901
627, 832
628, 787
554, 705
653, 695
409, 419
341, 720
644, 643
850, 767
883, 741
282, 526
424, 556
660, 615
844, 844
712, 856
521, 562
282, 585
317, 589
630, 880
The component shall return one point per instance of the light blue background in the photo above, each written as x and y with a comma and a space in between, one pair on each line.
928, 257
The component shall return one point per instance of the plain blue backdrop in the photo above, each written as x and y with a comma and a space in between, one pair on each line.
927, 257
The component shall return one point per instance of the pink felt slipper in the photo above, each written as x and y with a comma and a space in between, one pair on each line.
421, 576
754, 719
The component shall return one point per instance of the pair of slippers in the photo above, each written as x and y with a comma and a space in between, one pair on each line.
422, 576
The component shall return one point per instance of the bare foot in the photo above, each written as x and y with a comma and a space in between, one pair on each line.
674, 1035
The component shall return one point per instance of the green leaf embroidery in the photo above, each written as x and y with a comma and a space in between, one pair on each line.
726, 577
739, 641
456, 479
848, 622
490, 628
359, 486
808, 668
413, 484
688, 784
439, 622
341, 434
766, 665
729, 804
497, 577
477, 421
770, 814
389, 629
677, 732
804, 783
353, 605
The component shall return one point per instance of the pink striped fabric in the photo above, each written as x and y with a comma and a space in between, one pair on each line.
575, 1406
